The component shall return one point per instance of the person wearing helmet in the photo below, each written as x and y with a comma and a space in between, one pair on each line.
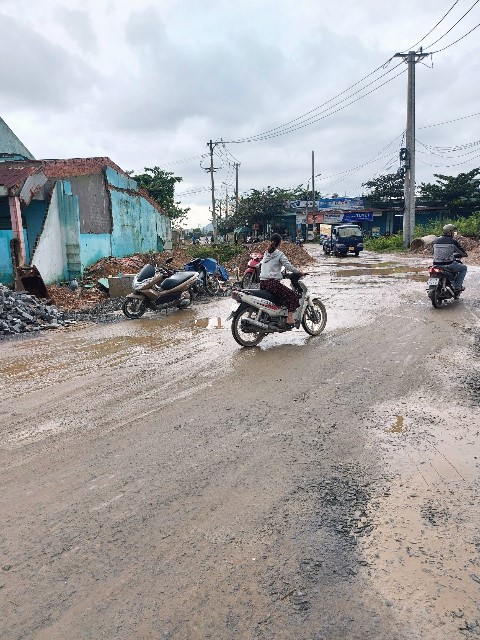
444, 249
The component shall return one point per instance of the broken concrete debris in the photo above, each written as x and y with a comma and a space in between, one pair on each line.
21, 312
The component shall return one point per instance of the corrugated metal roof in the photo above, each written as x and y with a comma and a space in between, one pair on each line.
15, 174
78, 167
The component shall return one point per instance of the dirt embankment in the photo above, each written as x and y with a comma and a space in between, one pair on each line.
471, 245
90, 293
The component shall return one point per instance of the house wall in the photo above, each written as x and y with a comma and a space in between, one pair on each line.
50, 255
94, 247
6, 269
93, 202
137, 224
33, 216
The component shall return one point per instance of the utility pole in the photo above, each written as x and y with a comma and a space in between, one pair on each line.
236, 187
214, 213
313, 183
411, 58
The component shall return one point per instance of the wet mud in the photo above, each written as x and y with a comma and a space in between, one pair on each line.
159, 481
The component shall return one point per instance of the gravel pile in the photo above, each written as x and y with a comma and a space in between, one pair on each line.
21, 312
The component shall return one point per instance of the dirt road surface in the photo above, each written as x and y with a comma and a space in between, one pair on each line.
160, 482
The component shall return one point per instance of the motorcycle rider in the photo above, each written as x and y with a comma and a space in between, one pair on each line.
444, 249
270, 275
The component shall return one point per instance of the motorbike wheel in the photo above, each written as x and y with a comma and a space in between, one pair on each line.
134, 308
186, 299
212, 285
315, 318
247, 281
437, 301
246, 339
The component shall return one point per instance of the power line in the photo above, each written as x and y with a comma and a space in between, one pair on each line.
458, 147
447, 166
303, 116
184, 160
306, 124
438, 124
452, 43
433, 29
452, 27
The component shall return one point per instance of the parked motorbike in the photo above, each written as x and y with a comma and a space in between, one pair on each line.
158, 288
440, 284
251, 275
299, 241
208, 273
259, 313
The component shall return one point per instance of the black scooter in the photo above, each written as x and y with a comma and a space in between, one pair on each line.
440, 284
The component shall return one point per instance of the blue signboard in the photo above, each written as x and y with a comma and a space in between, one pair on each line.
358, 216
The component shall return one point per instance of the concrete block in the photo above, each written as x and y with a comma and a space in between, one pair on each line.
119, 286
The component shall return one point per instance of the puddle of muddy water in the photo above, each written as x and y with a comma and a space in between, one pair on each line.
397, 427
423, 550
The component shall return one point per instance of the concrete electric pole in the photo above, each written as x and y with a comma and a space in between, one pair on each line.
236, 187
214, 213
411, 58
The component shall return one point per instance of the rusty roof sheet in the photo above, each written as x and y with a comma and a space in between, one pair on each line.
78, 167
14, 174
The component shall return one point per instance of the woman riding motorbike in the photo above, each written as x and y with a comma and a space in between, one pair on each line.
270, 275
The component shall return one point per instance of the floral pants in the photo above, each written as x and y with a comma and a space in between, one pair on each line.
287, 296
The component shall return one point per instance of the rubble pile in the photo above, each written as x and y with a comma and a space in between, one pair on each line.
21, 312
471, 245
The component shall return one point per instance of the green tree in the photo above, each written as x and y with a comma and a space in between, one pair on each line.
160, 186
458, 193
262, 205
387, 188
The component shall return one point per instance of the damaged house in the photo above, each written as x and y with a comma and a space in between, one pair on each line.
64, 215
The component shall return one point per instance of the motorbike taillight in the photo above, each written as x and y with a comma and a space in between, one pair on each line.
435, 270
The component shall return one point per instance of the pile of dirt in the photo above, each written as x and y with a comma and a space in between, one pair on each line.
295, 254
90, 294
471, 245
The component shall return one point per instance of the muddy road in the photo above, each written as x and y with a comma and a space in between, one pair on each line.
160, 482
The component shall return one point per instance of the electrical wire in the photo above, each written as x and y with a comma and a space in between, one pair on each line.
438, 124
303, 116
458, 147
433, 29
446, 166
306, 123
184, 160
452, 27
452, 43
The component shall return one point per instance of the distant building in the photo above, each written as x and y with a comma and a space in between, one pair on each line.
64, 215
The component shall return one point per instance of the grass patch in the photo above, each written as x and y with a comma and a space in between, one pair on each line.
393, 243
222, 253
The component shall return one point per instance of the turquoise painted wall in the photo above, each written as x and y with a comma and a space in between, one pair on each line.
34, 215
94, 247
6, 271
134, 224
120, 181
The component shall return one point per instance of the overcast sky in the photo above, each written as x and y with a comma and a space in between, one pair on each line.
150, 82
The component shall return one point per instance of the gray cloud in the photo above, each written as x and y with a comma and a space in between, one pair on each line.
79, 26
40, 74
